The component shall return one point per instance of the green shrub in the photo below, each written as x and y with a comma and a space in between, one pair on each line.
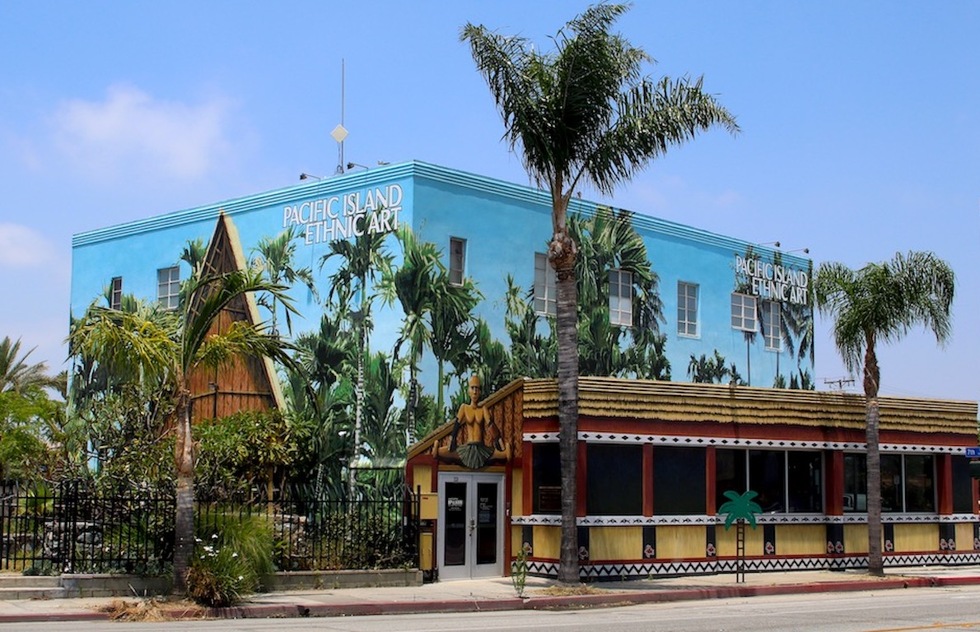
230, 560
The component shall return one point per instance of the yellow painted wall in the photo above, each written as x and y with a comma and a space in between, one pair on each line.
615, 543
855, 538
798, 539
680, 542
916, 537
517, 493
964, 537
754, 542
422, 477
547, 542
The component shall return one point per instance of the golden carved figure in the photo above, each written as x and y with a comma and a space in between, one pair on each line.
476, 440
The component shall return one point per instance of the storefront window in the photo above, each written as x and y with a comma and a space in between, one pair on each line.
546, 474
920, 492
767, 477
962, 486
678, 481
805, 482
785, 481
908, 483
615, 480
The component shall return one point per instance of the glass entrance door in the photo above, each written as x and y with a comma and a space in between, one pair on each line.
470, 525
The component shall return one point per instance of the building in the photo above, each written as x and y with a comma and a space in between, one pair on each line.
720, 308
655, 459
709, 340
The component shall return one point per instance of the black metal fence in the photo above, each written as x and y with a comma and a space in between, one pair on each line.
72, 529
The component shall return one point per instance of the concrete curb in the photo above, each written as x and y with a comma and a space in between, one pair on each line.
302, 609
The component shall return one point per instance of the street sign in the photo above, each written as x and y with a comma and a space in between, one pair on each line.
972, 453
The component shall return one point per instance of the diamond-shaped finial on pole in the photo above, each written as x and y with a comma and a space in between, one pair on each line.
339, 133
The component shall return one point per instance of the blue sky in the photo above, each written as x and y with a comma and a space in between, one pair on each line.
861, 129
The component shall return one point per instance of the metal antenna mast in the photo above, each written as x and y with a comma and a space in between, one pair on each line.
339, 133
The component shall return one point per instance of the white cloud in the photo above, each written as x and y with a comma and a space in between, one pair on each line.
21, 246
131, 132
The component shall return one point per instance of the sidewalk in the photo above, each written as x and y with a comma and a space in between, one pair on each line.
486, 594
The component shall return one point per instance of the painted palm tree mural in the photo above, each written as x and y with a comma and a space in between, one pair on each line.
274, 258
740, 509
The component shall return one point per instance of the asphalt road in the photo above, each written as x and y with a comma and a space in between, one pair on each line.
954, 608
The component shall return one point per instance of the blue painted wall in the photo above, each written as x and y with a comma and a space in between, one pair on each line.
503, 224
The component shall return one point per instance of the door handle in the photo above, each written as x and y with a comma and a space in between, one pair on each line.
472, 525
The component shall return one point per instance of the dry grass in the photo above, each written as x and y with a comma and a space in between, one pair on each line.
150, 610
567, 591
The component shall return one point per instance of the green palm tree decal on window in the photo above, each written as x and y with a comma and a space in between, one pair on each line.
740, 507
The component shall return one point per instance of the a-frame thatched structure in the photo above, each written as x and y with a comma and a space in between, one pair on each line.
244, 383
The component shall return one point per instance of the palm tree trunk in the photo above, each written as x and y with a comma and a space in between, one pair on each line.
567, 333
871, 381
875, 561
358, 411
184, 511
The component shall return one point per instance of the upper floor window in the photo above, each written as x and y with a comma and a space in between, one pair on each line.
545, 296
620, 298
115, 293
743, 312
457, 260
772, 325
687, 309
168, 287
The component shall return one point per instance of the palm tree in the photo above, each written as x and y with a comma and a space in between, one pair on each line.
166, 352
881, 302
17, 374
363, 260
583, 115
273, 256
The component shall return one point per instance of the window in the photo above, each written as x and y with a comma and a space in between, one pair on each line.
743, 312
620, 298
168, 287
679, 481
687, 309
546, 469
545, 295
457, 260
785, 481
962, 486
614, 480
115, 294
771, 329
908, 483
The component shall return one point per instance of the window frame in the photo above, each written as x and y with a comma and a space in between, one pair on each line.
545, 286
688, 325
772, 325
457, 260
116, 293
168, 290
746, 304
620, 307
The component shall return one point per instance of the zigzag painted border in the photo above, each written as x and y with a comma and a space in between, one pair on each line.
691, 441
697, 520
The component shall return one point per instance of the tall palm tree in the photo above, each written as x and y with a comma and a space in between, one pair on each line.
363, 259
274, 256
583, 115
166, 352
881, 302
